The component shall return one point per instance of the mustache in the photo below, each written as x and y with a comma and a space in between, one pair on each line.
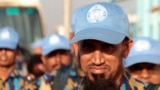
98, 66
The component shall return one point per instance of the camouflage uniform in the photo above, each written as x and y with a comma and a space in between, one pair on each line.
67, 79
46, 81
16, 82
64, 79
153, 87
127, 83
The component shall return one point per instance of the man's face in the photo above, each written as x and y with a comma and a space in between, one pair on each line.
7, 57
99, 58
51, 61
65, 57
146, 72
57, 59
39, 69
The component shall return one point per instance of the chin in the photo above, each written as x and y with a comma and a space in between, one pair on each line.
97, 76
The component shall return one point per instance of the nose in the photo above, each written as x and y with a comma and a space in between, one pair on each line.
144, 74
58, 58
2, 51
97, 58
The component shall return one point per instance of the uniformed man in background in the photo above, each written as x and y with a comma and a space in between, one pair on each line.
143, 62
10, 79
57, 57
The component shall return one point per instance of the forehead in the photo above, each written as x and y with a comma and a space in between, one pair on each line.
58, 51
7, 49
143, 65
97, 42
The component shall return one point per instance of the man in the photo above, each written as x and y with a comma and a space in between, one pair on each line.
35, 67
102, 41
10, 79
143, 61
57, 58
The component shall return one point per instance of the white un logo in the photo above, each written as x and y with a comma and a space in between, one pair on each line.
96, 13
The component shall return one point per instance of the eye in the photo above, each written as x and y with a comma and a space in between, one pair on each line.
64, 52
51, 54
150, 66
87, 47
109, 48
135, 68
141, 66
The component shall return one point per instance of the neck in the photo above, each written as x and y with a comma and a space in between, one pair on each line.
118, 78
5, 72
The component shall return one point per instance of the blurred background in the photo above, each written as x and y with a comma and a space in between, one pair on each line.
34, 19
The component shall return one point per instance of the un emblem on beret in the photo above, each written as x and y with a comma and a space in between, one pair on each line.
142, 45
54, 40
5, 35
96, 13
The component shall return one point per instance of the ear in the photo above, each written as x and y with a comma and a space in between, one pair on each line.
127, 47
18, 54
75, 48
71, 35
43, 58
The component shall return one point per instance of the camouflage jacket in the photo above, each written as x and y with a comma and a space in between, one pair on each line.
153, 87
16, 82
65, 79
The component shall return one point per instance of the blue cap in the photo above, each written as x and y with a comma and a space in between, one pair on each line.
101, 21
37, 43
74, 19
54, 42
144, 50
8, 38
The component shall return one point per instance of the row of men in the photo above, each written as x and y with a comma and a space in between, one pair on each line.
104, 51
